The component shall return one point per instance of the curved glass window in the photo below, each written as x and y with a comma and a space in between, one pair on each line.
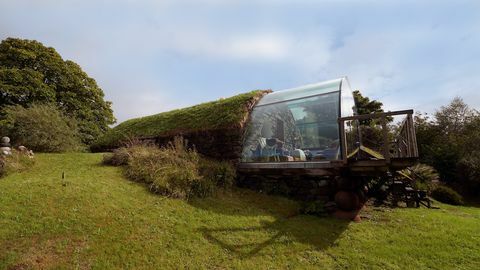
299, 124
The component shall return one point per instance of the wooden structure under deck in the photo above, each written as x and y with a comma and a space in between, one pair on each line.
398, 151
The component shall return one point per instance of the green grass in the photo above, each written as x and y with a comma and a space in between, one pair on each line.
223, 113
101, 220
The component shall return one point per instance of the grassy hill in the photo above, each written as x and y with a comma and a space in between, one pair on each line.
100, 220
230, 112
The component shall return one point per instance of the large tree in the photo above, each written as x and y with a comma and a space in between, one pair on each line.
450, 142
31, 73
365, 105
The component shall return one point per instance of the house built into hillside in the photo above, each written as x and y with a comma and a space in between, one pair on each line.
308, 138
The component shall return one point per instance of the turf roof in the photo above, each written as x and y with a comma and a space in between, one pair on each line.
223, 113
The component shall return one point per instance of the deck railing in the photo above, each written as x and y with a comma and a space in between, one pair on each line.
390, 141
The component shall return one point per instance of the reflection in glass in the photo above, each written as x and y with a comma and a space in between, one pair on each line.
297, 125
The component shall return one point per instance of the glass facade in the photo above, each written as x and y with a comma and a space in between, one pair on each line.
298, 124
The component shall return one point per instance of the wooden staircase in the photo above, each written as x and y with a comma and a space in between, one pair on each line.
405, 191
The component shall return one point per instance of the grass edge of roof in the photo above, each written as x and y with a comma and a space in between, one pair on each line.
232, 112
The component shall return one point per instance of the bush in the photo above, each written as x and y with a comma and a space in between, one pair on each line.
175, 170
222, 173
447, 195
119, 157
469, 173
3, 166
315, 208
15, 163
40, 127
424, 177
378, 188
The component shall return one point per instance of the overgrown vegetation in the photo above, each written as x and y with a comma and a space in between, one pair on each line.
224, 113
174, 170
421, 176
40, 127
447, 195
17, 162
32, 73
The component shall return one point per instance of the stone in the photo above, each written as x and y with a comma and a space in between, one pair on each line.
5, 142
6, 151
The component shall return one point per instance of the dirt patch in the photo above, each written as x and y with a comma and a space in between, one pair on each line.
52, 253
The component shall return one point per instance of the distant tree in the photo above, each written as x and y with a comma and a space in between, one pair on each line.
455, 117
32, 73
371, 130
450, 142
365, 105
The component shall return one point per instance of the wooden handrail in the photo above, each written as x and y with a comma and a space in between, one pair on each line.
373, 115
406, 132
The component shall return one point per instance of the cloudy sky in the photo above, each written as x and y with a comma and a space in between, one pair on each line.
152, 56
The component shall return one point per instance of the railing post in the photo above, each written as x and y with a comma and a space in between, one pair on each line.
343, 140
413, 139
386, 141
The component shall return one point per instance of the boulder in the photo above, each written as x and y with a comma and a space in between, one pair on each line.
5, 142
6, 151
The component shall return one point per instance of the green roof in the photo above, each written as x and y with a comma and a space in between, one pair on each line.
223, 113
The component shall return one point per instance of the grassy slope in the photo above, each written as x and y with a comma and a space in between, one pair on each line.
101, 220
222, 113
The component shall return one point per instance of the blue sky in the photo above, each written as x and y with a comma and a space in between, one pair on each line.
154, 56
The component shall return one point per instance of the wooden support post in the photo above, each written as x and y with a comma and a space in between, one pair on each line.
413, 139
408, 138
386, 141
343, 140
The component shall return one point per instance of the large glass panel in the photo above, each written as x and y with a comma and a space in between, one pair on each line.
303, 129
352, 135
301, 92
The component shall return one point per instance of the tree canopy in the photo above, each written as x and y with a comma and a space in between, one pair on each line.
449, 142
31, 73
365, 105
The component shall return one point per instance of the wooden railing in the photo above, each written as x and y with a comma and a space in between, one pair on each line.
399, 144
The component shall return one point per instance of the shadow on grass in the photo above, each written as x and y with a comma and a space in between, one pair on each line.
288, 228
300, 228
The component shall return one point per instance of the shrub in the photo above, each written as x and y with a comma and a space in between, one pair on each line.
119, 157
447, 195
469, 173
315, 208
378, 188
222, 173
3, 166
15, 163
175, 170
423, 176
40, 127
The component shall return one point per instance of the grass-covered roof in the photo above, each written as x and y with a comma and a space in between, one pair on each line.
223, 113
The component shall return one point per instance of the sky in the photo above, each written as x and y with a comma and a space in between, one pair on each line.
153, 56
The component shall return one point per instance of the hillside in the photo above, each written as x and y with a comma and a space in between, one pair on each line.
101, 220
230, 113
